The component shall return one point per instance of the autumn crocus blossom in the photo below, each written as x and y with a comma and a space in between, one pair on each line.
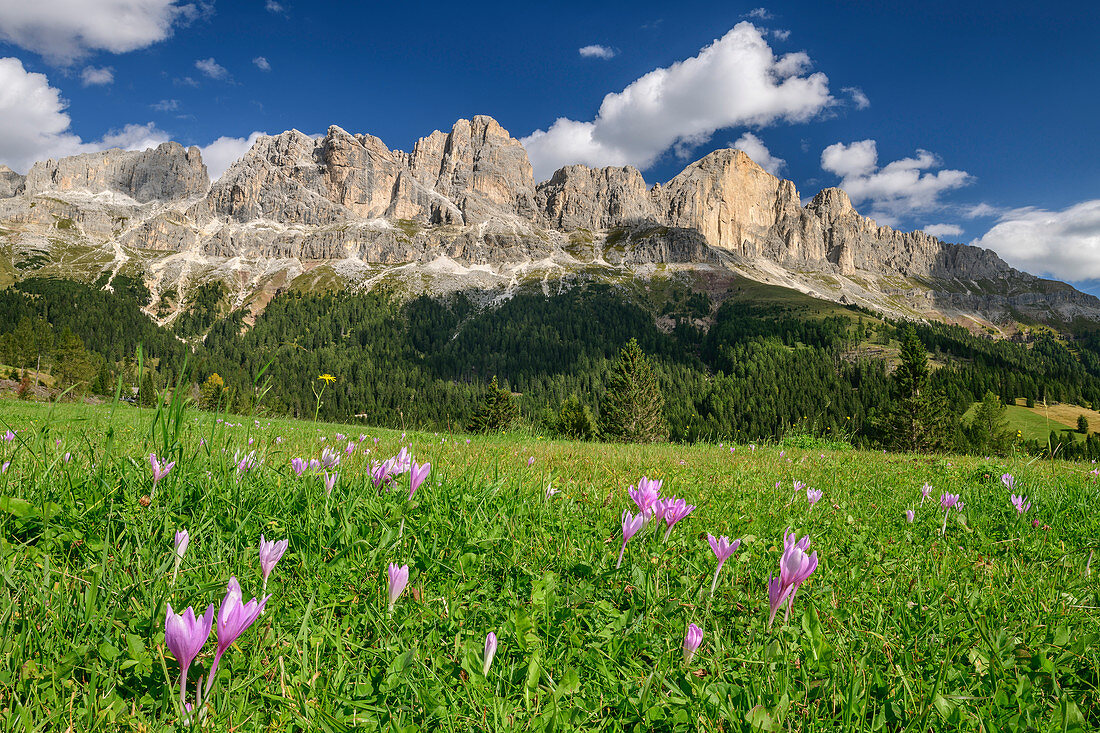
795, 566
185, 635
417, 474
1008, 480
672, 510
909, 515
813, 496
179, 545
490, 652
723, 549
646, 495
299, 466
398, 579
924, 492
270, 554
1021, 503
692, 639
947, 501
234, 618
330, 481
631, 525
160, 470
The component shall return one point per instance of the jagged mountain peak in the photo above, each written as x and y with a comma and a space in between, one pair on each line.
467, 197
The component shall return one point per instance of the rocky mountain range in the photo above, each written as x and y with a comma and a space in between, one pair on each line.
462, 211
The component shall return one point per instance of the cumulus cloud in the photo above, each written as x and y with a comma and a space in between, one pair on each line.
596, 51
63, 31
221, 153
897, 189
34, 125
943, 231
262, 63
755, 148
1064, 244
859, 99
780, 34
212, 68
92, 76
737, 80
166, 105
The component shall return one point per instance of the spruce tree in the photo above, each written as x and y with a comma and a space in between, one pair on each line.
989, 428
576, 421
918, 419
496, 412
633, 408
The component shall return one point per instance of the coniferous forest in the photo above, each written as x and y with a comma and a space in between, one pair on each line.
760, 371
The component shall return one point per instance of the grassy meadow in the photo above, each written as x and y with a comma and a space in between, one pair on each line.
992, 626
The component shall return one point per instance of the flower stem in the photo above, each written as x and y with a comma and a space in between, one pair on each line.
621, 551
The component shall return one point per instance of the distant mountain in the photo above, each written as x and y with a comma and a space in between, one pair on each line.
462, 211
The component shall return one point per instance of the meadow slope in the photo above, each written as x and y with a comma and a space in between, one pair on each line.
991, 626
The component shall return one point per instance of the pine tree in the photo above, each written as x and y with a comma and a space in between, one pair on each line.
1082, 424
989, 428
918, 419
576, 421
496, 412
147, 391
633, 408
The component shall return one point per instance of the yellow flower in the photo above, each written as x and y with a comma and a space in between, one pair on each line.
327, 378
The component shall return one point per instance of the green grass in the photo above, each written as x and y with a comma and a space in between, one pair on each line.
1031, 425
993, 627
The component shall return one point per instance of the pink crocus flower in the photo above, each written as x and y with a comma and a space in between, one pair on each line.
4, 468
67, 457
947, 501
672, 510
909, 514
723, 549
270, 554
490, 652
350, 449
1008, 480
398, 579
813, 496
9, 436
924, 492
330, 458
692, 639
299, 466
160, 470
340, 437
631, 525
417, 474
646, 495
330, 481
234, 618
530, 461
185, 635
795, 566
179, 545
1021, 503
798, 486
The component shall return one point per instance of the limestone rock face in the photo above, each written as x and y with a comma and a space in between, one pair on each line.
167, 172
734, 203
10, 182
479, 167
579, 197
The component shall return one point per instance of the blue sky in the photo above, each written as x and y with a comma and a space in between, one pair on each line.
976, 121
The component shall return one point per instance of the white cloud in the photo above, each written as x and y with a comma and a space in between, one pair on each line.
781, 34
759, 14
737, 80
1065, 244
262, 63
66, 30
982, 210
859, 99
166, 105
92, 76
34, 125
897, 189
754, 147
211, 68
221, 153
274, 7
595, 51
942, 231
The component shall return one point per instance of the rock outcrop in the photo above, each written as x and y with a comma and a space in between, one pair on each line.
467, 197
168, 172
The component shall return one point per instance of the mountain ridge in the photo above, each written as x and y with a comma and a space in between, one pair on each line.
463, 210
